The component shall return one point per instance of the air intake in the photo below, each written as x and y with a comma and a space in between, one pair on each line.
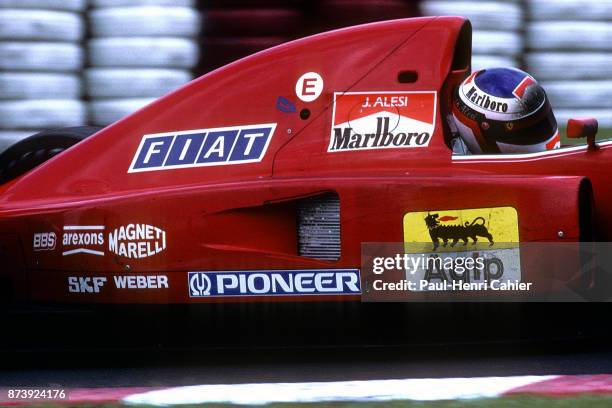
319, 227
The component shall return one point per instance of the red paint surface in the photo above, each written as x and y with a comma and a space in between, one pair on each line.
242, 217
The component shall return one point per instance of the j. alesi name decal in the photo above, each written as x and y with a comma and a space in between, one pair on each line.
379, 120
202, 147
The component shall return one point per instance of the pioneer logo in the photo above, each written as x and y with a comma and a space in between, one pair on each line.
137, 241
380, 120
275, 283
86, 239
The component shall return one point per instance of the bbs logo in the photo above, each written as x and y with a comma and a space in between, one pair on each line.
44, 241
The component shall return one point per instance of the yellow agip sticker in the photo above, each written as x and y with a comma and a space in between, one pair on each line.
467, 245
450, 228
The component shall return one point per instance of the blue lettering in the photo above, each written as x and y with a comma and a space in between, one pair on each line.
203, 147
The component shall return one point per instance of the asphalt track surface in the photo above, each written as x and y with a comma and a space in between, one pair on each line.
177, 369
187, 358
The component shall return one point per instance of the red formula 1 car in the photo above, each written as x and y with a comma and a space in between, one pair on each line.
262, 179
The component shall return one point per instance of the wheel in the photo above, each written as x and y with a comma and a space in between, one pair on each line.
490, 15
497, 43
40, 56
492, 61
46, 25
41, 113
37, 149
27, 85
133, 83
106, 111
145, 21
70, 5
570, 35
579, 94
132, 3
547, 10
145, 52
569, 65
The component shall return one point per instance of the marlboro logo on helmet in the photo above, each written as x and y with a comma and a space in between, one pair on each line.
504, 110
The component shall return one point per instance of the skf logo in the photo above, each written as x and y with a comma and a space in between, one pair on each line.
137, 241
86, 239
379, 120
85, 284
275, 283
44, 241
202, 147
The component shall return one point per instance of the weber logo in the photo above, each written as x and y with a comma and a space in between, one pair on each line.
274, 283
83, 239
364, 120
137, 241
202, 147
141, 282
44, 241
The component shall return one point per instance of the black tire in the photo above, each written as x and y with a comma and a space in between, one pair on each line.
34, 150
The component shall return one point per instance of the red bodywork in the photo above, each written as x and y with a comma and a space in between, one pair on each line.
242, 217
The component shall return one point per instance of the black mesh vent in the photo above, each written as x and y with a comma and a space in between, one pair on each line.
319, 227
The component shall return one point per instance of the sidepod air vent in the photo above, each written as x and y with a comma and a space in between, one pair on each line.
319, 227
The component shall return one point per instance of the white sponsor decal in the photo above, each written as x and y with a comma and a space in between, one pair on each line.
309, 86
382, 120
137, 241
44, 241
141, 282
87, 239
94, 284
85, 284
274, 283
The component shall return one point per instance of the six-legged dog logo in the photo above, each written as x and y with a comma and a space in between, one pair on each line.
456, 232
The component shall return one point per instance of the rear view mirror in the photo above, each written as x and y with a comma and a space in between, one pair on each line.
583, 127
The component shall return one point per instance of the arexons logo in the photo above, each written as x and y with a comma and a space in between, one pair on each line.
378, 120
85, 239
274, 283
137, 241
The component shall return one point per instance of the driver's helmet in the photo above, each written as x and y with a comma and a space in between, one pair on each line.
504, 110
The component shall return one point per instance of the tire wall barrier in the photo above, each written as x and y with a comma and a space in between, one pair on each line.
77, 62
